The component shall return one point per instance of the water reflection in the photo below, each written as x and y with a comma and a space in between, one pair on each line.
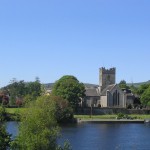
96, 136
12, 128
93, 136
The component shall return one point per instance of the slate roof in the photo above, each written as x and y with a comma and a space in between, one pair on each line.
108, 88
92, 92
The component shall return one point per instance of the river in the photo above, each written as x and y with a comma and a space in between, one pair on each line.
102, 136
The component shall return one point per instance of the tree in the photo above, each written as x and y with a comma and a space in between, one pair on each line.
23, 90
16, 89
2, 114
4, 98
33, 91
133, 89
69, 88
123, 84
145, 97
64, 113
5, 138
38, 128
142, 88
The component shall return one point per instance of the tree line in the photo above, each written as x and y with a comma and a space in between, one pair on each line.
39, 128
142, 92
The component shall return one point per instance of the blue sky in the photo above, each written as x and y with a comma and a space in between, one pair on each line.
52, 38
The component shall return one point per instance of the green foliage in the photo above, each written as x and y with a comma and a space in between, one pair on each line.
145, 97
4, 98
120, 115
2, 113
20, 90
38, 129
16, 89
129, 106
69, 88
64, 113
133, 89
66, 146
123, 84
5, 138
142, 88
34, 89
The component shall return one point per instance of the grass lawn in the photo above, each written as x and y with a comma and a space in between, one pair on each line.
138, 116
95, 116
15, 110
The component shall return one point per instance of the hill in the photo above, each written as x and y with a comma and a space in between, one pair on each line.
89, 85
138, 84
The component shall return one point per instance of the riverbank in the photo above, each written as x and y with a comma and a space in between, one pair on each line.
111, 120
91, 117
94, 136
15, 113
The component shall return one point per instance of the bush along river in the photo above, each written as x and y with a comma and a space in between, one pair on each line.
101, 136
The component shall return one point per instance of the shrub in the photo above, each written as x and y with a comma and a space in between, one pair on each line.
129, 106
38, 128
2, 113
5, 138
120, 115
19, 102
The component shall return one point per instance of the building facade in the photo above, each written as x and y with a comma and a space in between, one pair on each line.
108, 93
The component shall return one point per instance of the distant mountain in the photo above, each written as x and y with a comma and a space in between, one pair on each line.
89, 85
48, 85
138, 84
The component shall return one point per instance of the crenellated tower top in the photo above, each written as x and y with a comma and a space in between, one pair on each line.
106, 77
108, 71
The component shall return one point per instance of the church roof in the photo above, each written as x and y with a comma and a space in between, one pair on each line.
108, 88
92, 92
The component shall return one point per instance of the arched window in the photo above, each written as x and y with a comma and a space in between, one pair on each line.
114, 97
118, 99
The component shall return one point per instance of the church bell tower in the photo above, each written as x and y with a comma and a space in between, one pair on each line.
106, 77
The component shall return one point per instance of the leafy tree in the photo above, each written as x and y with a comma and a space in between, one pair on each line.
64, 113
133, 89
15, 89
5, 138
69, 88
19, 102
34, 89
123, 84
38, 129
145, 97
2, 114
142, 88
20, 90
4, 98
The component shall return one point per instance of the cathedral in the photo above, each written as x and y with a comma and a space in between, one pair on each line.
108, 93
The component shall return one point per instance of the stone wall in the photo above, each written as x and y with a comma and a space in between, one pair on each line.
104, 111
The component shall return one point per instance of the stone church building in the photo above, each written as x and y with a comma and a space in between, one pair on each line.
108, 93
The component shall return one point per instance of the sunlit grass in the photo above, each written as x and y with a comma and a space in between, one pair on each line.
136, 116
95, 116
15, 110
